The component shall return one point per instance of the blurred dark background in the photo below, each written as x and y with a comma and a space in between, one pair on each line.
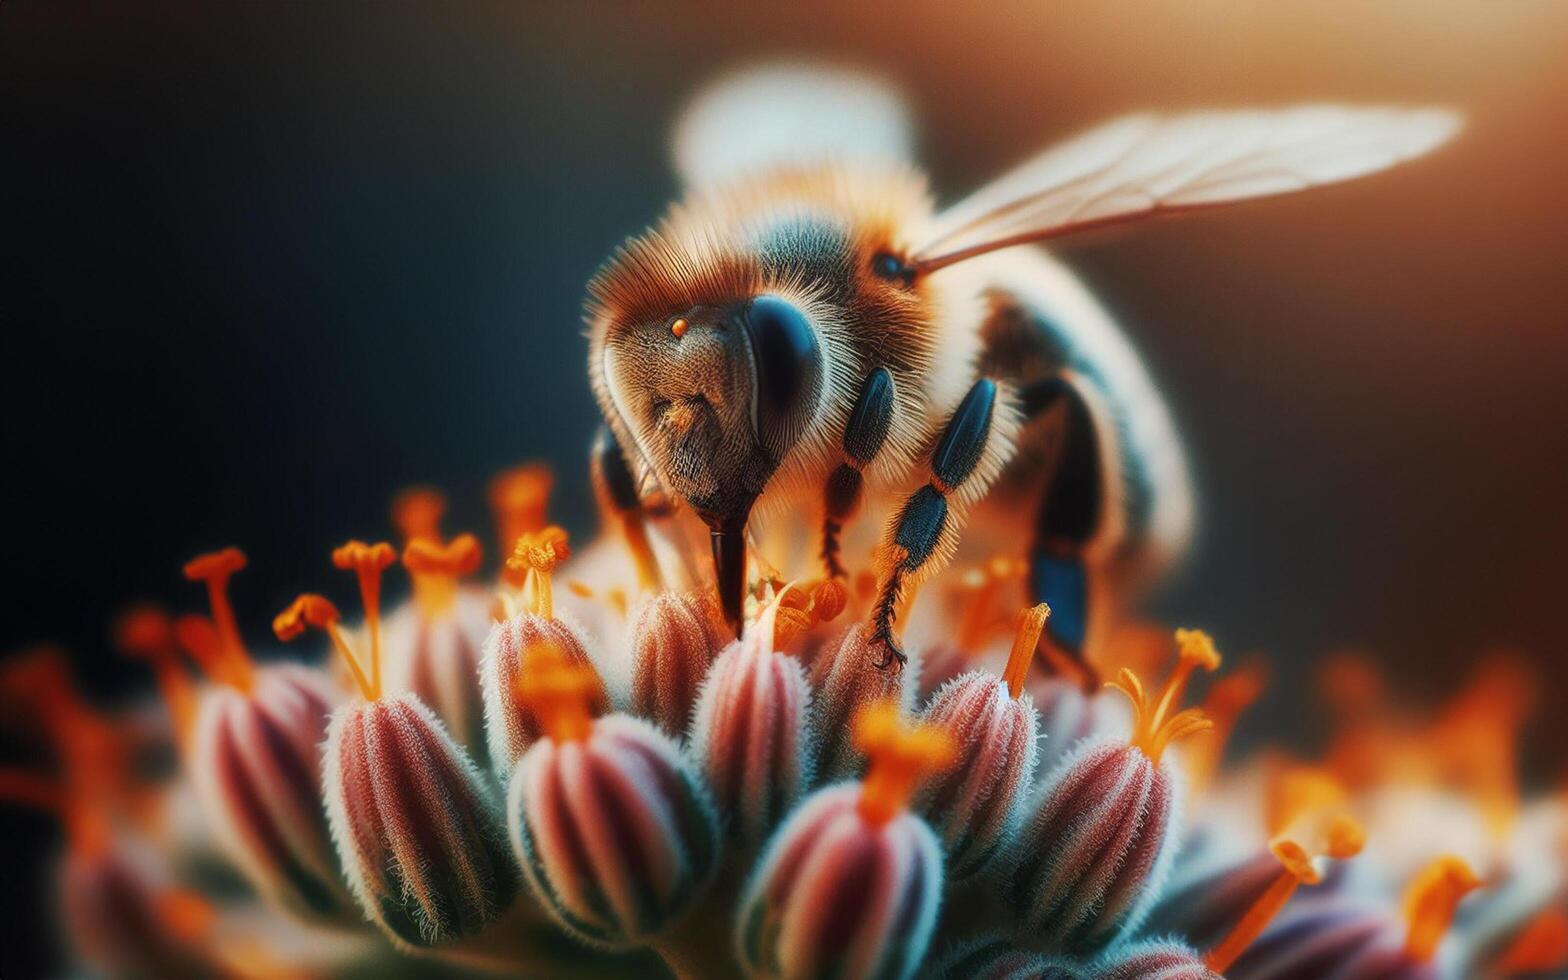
266, 263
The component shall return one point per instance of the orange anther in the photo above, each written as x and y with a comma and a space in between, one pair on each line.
558, 692
1430, 902
1026, 637
215, 565
1155, 727
900, 756
519, 499
456, 558
147, 633
538, 554
215, 569
416, 513
357, 556
307, 610
829, 600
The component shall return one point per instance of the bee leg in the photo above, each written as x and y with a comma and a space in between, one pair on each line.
1068, 517
864, 434
924, 530
617, 489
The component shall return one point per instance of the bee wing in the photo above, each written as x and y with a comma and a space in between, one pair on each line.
784, 114
1145, 165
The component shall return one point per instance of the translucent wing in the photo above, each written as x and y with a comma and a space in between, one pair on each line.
1144, 165
789, 114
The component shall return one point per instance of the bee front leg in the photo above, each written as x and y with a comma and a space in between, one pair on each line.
617, 490
864, 434
973, 446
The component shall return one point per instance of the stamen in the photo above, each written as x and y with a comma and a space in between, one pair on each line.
900, 756
215, 568
1026, 637
1430, 902
146, 633
558, 692
367, 562
436, 568
1333, 835
417, 512
1153, 731
518, 499
314, 610
537, 554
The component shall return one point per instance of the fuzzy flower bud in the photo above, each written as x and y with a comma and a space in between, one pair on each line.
1069, 715
850, 884
846, 678
975, 804
609, 820
509, 724
750, 736
1095, 851
674, 642
256, 762
418, 826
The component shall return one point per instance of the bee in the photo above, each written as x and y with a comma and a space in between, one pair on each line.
806, 331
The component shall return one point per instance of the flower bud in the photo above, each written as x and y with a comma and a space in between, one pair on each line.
418, 827
673, 644
750, 735
1095, 851
609, 820
996, 957
437, 658
256, 763
1158, 959
846, 678
851, 883
510, 725
975, 805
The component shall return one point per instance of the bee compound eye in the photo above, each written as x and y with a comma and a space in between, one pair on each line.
788, 360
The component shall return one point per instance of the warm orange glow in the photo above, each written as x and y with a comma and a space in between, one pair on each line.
984, 586
435, 569
679, 327
899, 755
558, 692
1430, 902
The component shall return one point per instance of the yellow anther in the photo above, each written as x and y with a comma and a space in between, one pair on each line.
1155, 727
900, 756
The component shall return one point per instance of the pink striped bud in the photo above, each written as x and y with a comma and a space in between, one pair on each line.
1096, 850
256, 763
1154, 960
609, 820
418, 826
996, 957
846, 678
437, 657
975, 805
750, 736
673, 644
851, 883
512, 727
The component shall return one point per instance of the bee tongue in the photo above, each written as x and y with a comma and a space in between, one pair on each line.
727, 534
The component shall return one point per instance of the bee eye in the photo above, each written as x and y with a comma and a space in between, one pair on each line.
886, 265
788, 363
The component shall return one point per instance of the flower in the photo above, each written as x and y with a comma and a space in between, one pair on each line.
674, 641
609, 820
851, 883
1094, 852
416, 824
974, 805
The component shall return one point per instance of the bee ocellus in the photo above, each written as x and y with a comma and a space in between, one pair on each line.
807, 335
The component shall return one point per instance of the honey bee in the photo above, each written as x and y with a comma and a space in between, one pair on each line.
806, 331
